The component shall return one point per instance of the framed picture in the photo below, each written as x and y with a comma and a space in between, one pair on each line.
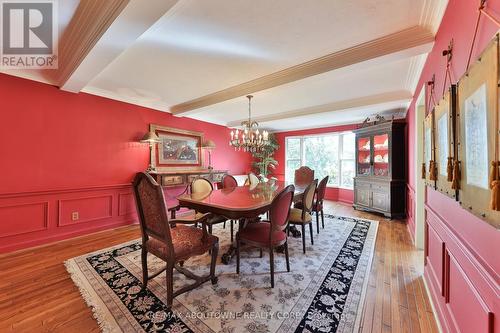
478, 132
429, 151
177, 149
445, 116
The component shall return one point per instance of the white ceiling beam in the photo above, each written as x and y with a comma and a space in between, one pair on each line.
402, 96
99, 32
406, 43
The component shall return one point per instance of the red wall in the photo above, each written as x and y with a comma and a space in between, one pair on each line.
462, 256
63, 152
332, 193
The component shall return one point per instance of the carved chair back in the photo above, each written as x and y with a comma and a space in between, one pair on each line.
152, 210
304, 175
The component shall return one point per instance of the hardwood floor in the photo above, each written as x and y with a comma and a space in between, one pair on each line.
38, 295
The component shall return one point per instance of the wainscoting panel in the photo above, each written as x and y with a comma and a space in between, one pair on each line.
126, 204
33, 218
26, 217
464, 290
465, 303
88, 209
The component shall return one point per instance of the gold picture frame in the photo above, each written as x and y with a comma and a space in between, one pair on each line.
429, 149
178, 150
478, 137
445, 147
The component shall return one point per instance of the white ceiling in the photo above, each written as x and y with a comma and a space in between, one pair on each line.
197, 48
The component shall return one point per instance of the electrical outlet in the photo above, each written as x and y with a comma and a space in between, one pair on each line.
75, 216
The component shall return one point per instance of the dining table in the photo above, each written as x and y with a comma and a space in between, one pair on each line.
242, 203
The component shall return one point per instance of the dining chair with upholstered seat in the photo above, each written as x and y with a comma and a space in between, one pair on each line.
171, 241
229, 181
317, 206
304, 175
203, 185
303, 216
252, 179
269, 234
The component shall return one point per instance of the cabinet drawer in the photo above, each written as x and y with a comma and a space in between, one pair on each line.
380, 200
380, 188
173, 180
362, 196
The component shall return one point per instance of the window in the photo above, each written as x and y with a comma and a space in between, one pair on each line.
328, 155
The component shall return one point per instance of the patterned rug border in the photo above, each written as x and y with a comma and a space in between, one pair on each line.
107, 322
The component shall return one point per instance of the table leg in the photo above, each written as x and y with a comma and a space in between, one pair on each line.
231, 252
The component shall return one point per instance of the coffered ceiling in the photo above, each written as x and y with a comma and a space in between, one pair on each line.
308, 63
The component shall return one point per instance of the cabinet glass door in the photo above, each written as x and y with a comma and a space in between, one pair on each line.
381, 155
364, 155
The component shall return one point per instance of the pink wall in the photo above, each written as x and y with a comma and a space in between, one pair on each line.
332, 193
63, 152
462, 257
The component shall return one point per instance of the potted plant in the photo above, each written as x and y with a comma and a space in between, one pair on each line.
264, 159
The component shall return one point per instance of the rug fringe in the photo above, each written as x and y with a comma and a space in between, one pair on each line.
97, 312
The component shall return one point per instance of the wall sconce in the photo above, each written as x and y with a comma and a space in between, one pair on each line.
151, 138
209, 145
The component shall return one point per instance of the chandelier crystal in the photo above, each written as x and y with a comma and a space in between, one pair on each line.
249, 138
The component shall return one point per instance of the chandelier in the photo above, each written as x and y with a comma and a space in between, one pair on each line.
249, 138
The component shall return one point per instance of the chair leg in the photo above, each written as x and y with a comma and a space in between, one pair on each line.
311, 232
224, 225
323, 219
260, 252
271, 262
210, 229
215, 251
237, 255
144, 262
287, 257
303, 238
170, 286
232, 232
317, 222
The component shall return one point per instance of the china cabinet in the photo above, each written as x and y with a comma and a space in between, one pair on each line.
380, 182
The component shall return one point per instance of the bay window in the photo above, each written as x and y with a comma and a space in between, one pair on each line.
327, 154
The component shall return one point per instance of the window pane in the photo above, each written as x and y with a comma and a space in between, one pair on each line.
348, 146
321, 155
291, 166
348, 173
293, 148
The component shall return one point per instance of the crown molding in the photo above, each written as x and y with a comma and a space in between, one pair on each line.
432, 14
413, 37
90, 21
402, 96
417, 64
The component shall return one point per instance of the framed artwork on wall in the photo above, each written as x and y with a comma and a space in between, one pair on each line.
429, 150
177, 149
445, 153
478, 134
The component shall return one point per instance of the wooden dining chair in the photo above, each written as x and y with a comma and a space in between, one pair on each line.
203, 185
304, 175
303, 216
317, 206
252, 179
171, 241
269, 234
229, 181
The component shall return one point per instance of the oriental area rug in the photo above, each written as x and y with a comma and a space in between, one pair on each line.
323, 292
